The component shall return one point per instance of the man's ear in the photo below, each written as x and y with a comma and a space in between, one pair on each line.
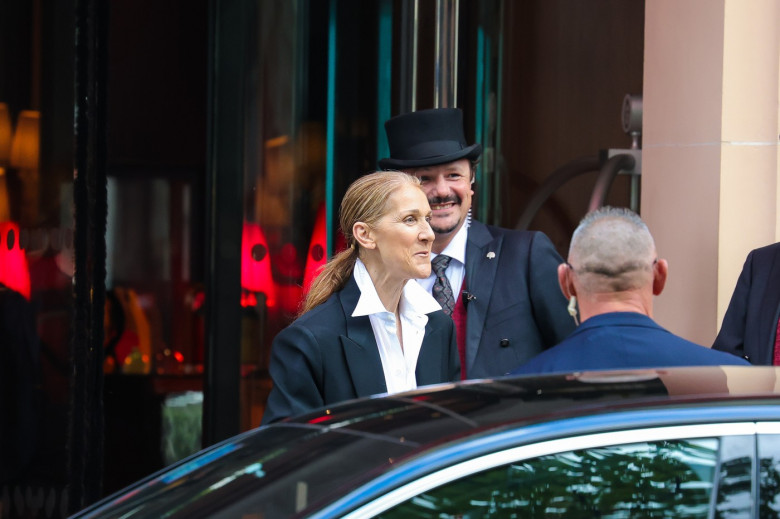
565, 282
660, 271
362, 233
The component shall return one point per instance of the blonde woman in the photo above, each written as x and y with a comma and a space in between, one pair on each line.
364, 328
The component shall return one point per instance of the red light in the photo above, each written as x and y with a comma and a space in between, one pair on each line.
14, 270
317, 256
256, 263
248, 300
198, 300
320, 419
318, 253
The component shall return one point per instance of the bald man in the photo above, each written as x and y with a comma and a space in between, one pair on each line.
612, 273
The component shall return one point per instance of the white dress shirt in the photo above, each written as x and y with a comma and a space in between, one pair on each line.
456, 270
398, 364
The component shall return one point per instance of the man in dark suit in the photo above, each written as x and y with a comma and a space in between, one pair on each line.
613, 271
497, 284
750, 326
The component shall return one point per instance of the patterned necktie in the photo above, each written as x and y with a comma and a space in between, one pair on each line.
442, 291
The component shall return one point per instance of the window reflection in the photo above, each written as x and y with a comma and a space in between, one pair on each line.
735, 481
36, 261
284, 181
769, 467
659, 479
311, 129
153, 322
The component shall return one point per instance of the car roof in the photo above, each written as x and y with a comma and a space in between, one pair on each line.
345, 449
489, 403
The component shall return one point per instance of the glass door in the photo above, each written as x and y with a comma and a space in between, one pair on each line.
301, 93
299, 84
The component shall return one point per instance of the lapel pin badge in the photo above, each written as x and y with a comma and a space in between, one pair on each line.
491, 255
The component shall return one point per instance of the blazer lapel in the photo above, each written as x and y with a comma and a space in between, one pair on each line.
482, 256
360, 348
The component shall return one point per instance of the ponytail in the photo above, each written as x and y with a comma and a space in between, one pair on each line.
332, 278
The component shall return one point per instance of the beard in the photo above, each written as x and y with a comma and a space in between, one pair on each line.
438, 229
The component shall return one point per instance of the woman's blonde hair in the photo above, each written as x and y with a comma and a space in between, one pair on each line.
365, 201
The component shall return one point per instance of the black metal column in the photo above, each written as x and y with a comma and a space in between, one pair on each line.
230, 22
85, 441
407, 56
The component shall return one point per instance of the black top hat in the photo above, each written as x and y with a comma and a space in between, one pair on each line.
427, 138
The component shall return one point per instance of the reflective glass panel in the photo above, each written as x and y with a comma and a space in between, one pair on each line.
736, 477
36, 254
769, 473
659, 479
310, 130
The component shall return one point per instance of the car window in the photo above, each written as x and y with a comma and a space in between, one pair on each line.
273, 472
647, 479
735, 478
769, 472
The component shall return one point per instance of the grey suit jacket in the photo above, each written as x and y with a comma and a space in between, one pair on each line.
515, 308
328, 356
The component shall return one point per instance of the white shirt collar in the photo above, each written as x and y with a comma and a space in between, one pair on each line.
414, 298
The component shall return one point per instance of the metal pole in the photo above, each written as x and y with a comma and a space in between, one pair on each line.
408, 53
445, 78
224, 185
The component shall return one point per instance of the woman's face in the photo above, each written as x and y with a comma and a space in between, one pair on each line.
403, 236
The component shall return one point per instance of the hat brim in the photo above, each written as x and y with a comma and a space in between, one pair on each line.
472, 153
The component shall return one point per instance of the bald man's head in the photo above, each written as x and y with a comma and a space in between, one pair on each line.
612, 251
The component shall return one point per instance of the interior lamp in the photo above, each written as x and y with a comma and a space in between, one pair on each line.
256, 265
5, 134
317, 256
25, 147
26, 142
5, 209
14, 271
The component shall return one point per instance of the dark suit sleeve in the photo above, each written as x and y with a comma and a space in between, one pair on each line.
549, 305
731, 337
296, 371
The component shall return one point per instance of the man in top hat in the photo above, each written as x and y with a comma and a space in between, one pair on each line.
499, 285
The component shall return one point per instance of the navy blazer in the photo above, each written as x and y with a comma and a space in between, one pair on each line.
624, 340
750, 323
516, 308
328, 356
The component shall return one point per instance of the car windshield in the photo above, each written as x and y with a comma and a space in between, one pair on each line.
275, 472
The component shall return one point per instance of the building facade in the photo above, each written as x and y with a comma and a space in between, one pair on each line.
170, 174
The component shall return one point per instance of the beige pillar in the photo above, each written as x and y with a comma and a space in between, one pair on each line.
710, 160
